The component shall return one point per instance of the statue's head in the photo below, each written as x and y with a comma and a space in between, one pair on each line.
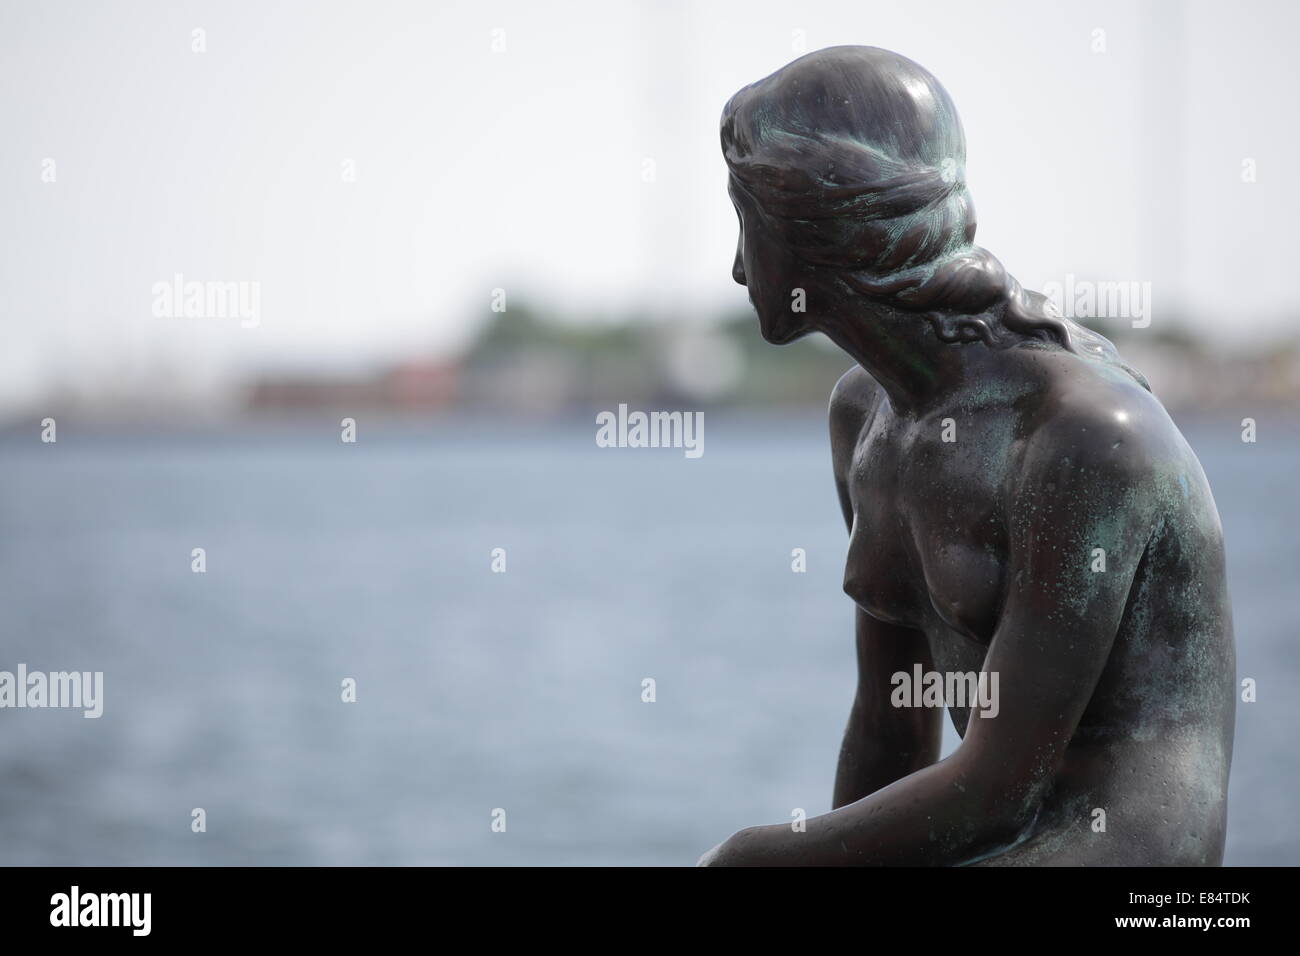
849, 160
848, 172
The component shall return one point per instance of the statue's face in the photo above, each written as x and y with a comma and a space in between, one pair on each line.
771, 274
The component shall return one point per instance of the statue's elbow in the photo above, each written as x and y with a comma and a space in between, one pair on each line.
1004, 814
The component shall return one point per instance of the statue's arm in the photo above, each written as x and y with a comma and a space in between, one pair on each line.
883, 743
1083, 485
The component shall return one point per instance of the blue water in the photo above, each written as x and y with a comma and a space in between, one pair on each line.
477, 690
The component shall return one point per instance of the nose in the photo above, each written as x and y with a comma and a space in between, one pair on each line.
738, 267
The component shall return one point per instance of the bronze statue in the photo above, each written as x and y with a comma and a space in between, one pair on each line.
1020, 508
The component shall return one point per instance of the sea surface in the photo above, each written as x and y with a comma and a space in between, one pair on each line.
481, 692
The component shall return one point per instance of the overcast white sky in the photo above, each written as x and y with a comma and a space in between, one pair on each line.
524, 168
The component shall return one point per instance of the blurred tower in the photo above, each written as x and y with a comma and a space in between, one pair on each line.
669, 246
1163, 178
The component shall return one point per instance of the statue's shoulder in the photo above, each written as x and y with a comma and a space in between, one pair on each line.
1103, 422
853, 402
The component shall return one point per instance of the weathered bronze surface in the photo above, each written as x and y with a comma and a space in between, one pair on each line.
1019, 505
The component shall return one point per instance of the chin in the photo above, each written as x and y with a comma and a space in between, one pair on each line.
782, 333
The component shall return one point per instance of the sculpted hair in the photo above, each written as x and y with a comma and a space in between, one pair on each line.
856, 157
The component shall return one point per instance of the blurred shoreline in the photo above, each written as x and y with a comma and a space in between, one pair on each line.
533, 366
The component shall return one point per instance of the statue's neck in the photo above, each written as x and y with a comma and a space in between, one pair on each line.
901, 351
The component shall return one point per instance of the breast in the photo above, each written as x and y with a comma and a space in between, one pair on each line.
878, 574
964, 586
926, 540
